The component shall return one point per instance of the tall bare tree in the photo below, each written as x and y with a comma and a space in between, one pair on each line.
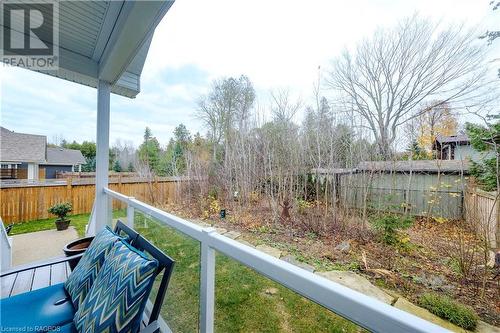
389, 76
227, 105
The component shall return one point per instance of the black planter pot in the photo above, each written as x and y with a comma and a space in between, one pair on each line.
76, 247
62, 225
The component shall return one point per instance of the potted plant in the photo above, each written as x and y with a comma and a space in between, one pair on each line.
61, 210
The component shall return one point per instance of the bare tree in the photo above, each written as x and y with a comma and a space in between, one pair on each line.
284, 109
389, 76
229, 101
126, 154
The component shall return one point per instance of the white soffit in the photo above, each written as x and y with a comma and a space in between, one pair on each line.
107, 40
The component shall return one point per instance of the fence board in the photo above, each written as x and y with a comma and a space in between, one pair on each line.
420, 194
482, 211
18, 204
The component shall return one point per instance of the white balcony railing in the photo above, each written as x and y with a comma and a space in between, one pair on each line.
365, 311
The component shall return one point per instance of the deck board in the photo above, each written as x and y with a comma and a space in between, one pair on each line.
41, 278
59, 273
23, 283
34, 278
7, 284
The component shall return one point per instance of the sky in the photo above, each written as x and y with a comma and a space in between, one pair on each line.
278, 44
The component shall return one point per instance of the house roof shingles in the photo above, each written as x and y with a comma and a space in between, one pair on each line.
459, 138
63, 156
31, 148
20, 147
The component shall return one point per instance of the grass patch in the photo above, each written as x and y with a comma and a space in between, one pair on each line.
78, 221
446, 308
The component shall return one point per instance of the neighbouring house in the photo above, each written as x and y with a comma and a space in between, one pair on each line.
26, 156
21, 154
455, 147
62, 159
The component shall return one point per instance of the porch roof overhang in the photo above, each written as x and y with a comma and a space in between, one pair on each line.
106, 41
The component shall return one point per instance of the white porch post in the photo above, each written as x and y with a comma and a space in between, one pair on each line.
207, 284
102, 156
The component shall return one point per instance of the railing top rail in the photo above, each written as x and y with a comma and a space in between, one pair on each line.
191, 229
117, 195
365, 311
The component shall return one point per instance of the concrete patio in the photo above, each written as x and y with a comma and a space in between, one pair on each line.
40, 245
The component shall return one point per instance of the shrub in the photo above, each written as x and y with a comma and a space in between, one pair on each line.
446, 308
390, 225
61, 210
303, 205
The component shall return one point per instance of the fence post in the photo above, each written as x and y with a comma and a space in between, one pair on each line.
69, 190
130, 214
207, 284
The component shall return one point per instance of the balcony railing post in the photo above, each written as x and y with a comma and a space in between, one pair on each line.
130, 213
207, 284
109, 220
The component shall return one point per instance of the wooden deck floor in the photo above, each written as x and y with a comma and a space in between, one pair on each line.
34, 278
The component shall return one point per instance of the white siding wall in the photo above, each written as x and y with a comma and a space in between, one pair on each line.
467, 152
32, 171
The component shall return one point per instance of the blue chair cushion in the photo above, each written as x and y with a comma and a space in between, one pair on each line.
37, 311
81, 279
68, 328
117, 299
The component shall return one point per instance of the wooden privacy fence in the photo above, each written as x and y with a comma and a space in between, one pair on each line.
482, 211
419, 194
18, 204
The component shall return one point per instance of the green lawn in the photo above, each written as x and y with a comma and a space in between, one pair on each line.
78, 221
245, 300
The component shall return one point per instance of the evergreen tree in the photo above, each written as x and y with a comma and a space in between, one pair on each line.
173, 161
117, 167
486, 139
89, 166
149, 151
416, 152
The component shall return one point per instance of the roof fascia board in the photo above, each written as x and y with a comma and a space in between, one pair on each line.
22, 161
59, 164
135, 24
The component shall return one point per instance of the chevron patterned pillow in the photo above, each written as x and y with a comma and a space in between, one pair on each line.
81, 279
119, 295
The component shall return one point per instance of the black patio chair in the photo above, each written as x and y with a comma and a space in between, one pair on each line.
165, 264
9, 228
151, 323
